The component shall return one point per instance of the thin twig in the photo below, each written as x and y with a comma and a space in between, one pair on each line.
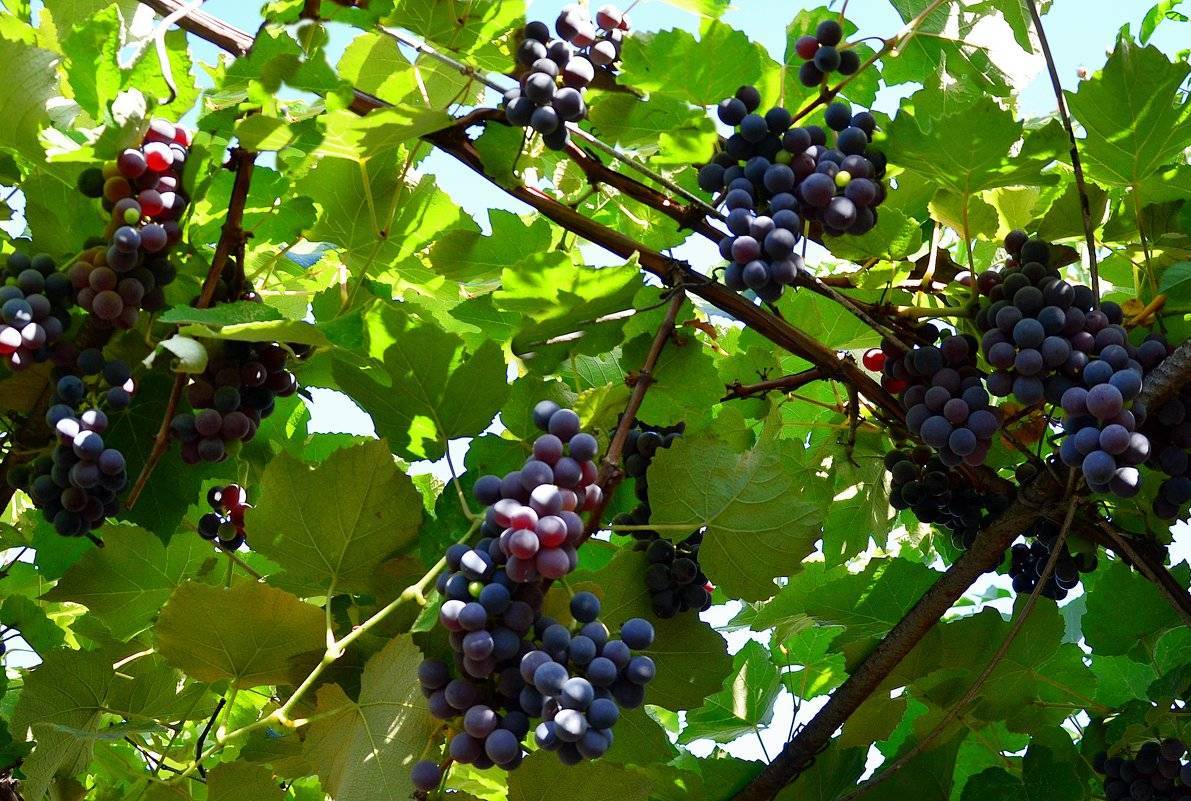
789, 383
1085, 204
198, 746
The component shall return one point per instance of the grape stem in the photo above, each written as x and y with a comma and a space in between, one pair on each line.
231, 238
918, 312
973, 690
1081, 186
789, 383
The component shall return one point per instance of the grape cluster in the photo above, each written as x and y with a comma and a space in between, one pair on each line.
776, 179
1100, 433
823, 54
922, 483
1027, 562
237, 390
574, 681
142, 191
1168, 429
1039, 331
514, 663
33, 309
532, 515
551, 94
224, 524
943, 393
77, 484
674, 579
1157, 772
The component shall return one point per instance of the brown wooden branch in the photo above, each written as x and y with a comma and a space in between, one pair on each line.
789, 383
1085, 205
984, 555
231, 239
610, 472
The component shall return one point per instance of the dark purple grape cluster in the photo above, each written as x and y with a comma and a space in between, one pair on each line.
922, 483
1168, 429
142, 191
674, 579
1156, 772
502, 641
1038, 330
34, 312
551, 93
1100, 433
224, 524
947, 406
825, 52
1027, 562
521, 665
77, 485
237, 390
760, 248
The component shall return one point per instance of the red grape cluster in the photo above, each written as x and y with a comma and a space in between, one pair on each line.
551, 94
142, 191
777, 179
1157, 772
1039, 331
824, 54
533, 512
231, 397
33, 309
922, 483
224, 524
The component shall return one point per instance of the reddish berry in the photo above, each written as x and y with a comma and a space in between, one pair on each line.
894, 385
874, 359
806, 47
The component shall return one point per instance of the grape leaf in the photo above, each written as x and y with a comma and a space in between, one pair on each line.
256, 645
751, 503
125, 583
331, 525
233, 781
431, 390
745, 703
537, 780
364, 749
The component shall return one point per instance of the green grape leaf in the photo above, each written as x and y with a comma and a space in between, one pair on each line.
744, 704
1134, 119
752, 503
257, 644
537, 780
233, 781
364, 749
430, 390
329, 526
125, 583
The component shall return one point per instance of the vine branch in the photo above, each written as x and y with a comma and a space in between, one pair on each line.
1085, 205
231, 238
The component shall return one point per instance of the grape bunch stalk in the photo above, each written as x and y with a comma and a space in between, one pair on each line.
778, 180
224, 524
143, 194
231, 397
550, 94
34, 309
